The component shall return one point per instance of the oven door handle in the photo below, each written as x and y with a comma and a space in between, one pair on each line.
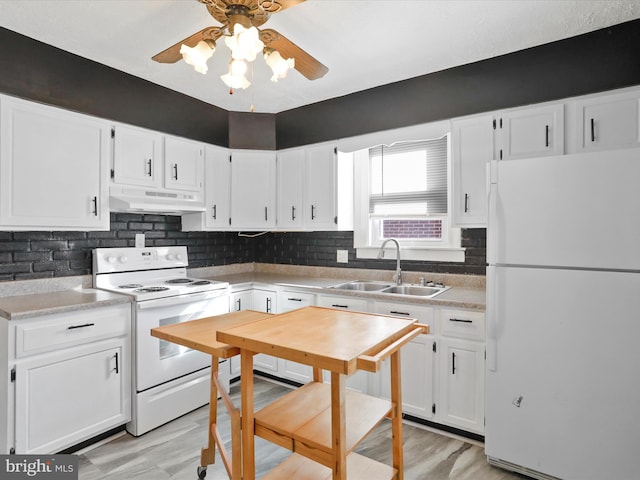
180, 299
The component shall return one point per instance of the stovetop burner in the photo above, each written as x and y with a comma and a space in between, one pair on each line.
195, 283
130, 285
179, 280
152, 289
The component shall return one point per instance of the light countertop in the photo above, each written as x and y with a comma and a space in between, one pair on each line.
19, 307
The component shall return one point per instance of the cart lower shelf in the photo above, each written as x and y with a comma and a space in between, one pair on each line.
301, 421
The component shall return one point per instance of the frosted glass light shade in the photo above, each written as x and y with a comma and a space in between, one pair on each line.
235, 78
198, 55
279, 66
245, 43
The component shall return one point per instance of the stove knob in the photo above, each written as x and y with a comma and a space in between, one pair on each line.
111, 259
169, 256
123, 259
179, 256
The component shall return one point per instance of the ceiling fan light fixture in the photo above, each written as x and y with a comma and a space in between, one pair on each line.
198, 55
279, 66
245, 43
236, 77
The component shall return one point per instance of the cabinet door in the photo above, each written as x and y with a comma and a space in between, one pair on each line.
290, 300
417, 364
320, 188
290, 166
472, 150
137, 157
462, 384
607, 122
265, 301
217, 187
54, 168
532, 132
241, 301
183, 164
253, 191
65, 398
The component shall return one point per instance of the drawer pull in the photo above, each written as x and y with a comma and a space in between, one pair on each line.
73, 327
394, 312
295, 299
460, 320
453, 363
336, 305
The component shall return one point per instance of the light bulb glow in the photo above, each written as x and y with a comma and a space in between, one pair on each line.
198, 55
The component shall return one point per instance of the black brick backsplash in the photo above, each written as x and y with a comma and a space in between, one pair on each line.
31, 255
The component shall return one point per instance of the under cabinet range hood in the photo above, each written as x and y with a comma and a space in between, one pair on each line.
140, 200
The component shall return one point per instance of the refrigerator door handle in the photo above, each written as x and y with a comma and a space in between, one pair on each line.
491, 312
492, 231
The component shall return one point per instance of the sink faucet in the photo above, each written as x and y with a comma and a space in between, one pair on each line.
398, 276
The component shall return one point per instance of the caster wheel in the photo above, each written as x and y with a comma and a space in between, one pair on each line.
202, 472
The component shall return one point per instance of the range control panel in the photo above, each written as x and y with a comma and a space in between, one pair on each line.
131, 259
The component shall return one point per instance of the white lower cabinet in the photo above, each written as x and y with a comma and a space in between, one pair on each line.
417, 361
461, 369
70, 378
291, 300
462, 384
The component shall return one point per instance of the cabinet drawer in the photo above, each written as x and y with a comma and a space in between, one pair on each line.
421, 313
462, 324
294, 300
344, 303
67, 329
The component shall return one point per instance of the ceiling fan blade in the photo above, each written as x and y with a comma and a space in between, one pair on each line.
172, 54
305, 63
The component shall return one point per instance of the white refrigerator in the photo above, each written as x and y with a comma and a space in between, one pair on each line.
563, 316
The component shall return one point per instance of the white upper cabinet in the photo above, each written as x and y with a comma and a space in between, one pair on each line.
183, 164
606, 122
291, 171
54, 168
328, 189
144, 158
471, 150
530, 132
217, 193
253, 190
137, 157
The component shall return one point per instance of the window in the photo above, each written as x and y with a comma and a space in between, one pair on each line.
405, 195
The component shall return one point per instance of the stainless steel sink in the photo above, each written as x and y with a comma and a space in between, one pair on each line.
362, 286
414, 290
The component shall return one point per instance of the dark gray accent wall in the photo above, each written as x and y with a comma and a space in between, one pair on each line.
597, 61
37, 71
252, 130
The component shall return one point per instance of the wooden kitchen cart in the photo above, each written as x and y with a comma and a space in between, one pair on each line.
323, 423
201, 335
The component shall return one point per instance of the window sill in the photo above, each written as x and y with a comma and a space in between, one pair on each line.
425, 254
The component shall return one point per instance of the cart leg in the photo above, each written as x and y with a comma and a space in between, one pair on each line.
208, 454
338, 432
396, 420
247, 392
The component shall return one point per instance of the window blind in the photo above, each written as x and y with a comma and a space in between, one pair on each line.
409, 179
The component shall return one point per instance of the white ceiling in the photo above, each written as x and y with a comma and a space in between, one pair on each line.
364, 43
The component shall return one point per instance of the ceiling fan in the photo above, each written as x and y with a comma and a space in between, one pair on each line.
241, 19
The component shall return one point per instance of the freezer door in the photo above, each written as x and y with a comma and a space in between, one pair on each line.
563, 390
570, 211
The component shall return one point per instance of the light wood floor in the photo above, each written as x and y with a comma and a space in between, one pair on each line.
172, 451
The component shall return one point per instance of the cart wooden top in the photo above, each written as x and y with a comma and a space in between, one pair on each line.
321, 337
201, 334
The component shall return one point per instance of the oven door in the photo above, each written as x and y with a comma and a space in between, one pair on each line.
159, 361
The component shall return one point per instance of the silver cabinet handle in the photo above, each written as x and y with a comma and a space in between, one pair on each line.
293, 212
215, 212
313, 212
175, 171
149, 168
95, 206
